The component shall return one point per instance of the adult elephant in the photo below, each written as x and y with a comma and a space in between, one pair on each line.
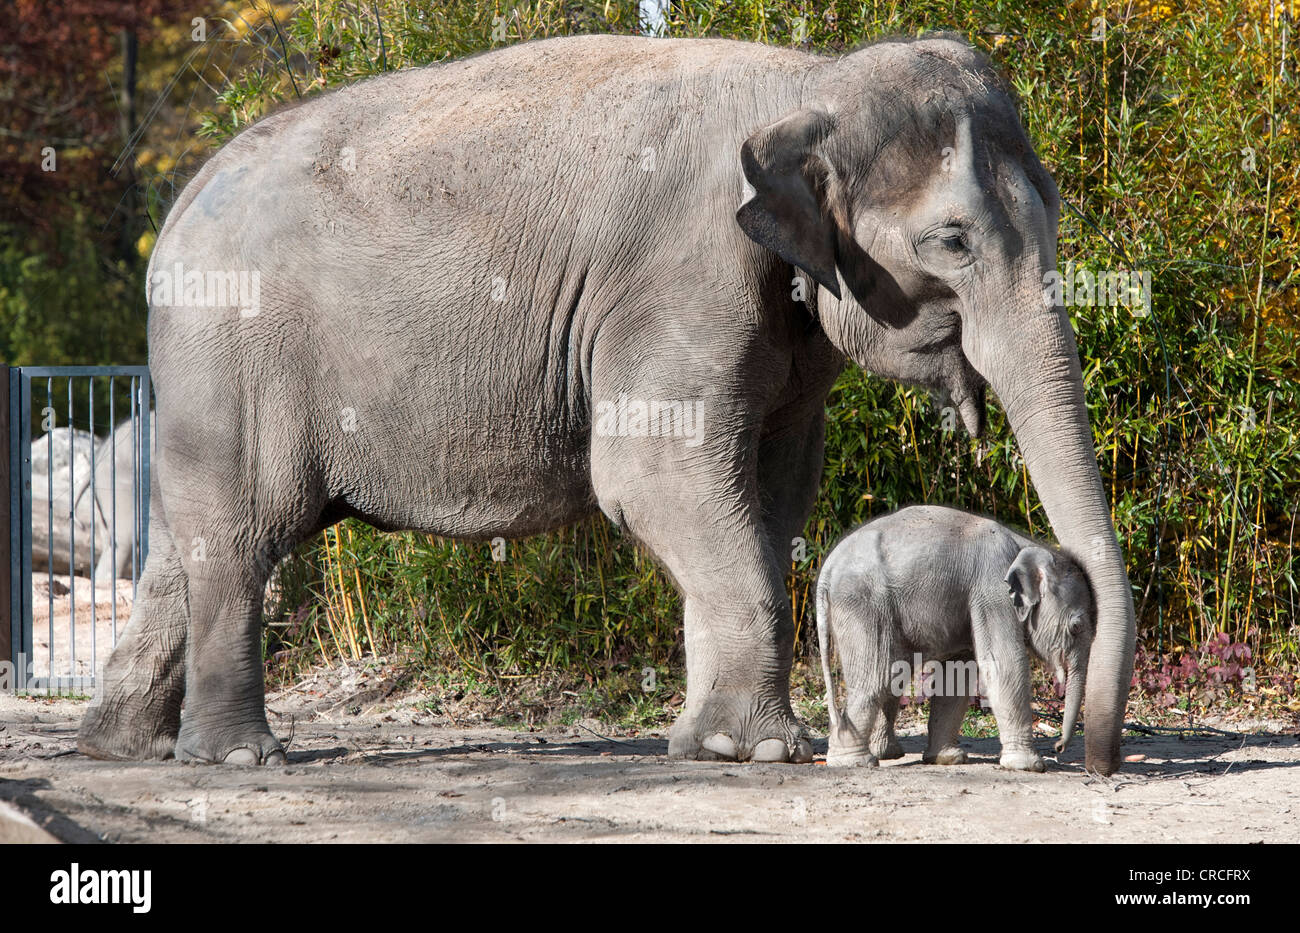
455, 268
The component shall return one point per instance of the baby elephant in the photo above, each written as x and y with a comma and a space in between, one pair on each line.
934, 584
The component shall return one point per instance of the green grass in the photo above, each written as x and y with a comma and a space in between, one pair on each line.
979, 724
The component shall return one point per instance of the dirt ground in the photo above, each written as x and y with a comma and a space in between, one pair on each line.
365, 767
51, 599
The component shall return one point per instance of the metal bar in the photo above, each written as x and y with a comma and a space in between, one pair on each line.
112, 475
72, 541
20, 420
135, 491
49, 509
146, 463
20, 410
42, 372
8, 547
94, 515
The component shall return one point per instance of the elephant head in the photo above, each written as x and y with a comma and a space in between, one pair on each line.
906, 187
1052, 599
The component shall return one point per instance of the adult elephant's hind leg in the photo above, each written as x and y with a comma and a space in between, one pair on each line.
225, 708
136, 712
233, 517
224, 719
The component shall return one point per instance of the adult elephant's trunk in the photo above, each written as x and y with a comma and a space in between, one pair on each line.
1075, 678
1027, 353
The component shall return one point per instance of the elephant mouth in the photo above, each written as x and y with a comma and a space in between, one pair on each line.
970, 406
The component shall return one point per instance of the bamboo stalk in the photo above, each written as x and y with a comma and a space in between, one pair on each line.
349, 621
361, 597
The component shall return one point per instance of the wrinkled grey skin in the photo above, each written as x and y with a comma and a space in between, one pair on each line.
460, 262
950, 587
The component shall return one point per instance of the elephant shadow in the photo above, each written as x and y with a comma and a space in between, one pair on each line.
531, 745
1165, 753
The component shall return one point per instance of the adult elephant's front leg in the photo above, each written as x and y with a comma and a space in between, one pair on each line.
702, 520
790, 459
738, 654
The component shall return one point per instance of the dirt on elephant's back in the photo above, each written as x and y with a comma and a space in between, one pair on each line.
399, 775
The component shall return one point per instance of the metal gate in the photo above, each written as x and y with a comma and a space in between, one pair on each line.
90, 501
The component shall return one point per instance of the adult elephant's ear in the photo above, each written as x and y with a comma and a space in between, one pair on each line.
786, 213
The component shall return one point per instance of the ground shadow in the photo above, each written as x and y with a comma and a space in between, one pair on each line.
22, 794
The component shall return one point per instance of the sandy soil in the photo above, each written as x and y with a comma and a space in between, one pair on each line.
66, 637
366, 768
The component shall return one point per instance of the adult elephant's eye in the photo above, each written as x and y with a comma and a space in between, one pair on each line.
946, 247
952, 237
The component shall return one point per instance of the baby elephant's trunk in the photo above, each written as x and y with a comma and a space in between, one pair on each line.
1075, 678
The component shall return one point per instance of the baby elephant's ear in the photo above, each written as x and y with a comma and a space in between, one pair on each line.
1027, 578
785, 183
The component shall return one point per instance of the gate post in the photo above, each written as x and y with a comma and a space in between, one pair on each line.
8, 525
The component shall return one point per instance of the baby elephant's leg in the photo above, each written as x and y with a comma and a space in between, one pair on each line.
884, 742
866, 685
848, 745
1004, 671
946, 715
960, 684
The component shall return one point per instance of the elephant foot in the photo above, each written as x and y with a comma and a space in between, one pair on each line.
231, 747
114, 733
946, 756
1021, 760
718, 734
135, 714
889, 750
840, 758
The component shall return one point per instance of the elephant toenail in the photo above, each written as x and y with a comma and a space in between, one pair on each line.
241, 756
276, 759
720, 745
771, 750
